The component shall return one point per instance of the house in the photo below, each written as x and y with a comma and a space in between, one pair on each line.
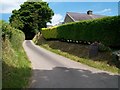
60, 23
74, 17
48, 26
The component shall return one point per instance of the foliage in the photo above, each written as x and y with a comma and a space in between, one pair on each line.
31, 17
105, 30
6, 29
103, 48
16, 68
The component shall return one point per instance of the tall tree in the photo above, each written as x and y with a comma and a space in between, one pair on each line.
31, 17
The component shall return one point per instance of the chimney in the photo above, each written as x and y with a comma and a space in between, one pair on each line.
89, 12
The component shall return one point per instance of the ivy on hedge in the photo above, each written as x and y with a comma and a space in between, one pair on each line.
105, 30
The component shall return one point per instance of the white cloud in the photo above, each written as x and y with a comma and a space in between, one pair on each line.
9, 5
8, 8
104, 11
11, 1
56, 19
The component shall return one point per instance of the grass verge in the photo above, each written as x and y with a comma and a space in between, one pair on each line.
16, 68
95, 64
61, 49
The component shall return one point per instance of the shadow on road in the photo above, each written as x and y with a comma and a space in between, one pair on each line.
62, 77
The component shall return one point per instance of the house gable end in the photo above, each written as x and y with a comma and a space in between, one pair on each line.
68, 18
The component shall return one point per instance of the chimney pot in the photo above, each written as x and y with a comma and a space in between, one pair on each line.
89, 12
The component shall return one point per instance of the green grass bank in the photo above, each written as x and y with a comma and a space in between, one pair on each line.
16, 68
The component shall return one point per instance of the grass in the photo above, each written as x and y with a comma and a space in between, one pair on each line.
95, 64
16, 68
99, 64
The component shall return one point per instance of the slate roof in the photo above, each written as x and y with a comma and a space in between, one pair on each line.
83, 16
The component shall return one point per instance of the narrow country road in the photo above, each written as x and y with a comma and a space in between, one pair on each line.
54, 71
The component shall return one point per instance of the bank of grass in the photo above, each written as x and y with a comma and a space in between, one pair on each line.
16, 68
102, 64
95, 64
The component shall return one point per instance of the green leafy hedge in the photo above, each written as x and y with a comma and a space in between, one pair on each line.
106, 30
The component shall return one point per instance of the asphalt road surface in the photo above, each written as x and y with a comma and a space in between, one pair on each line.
54, 71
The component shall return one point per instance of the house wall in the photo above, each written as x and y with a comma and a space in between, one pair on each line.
68, 19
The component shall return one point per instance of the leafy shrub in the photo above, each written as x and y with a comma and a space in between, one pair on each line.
6, 29
103, 48
10, 32
106, 30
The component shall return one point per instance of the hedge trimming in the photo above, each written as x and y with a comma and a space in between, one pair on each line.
105, 30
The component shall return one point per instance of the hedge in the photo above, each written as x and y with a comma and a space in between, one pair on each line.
105, 30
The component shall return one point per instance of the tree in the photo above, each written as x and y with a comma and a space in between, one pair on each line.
31, 17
